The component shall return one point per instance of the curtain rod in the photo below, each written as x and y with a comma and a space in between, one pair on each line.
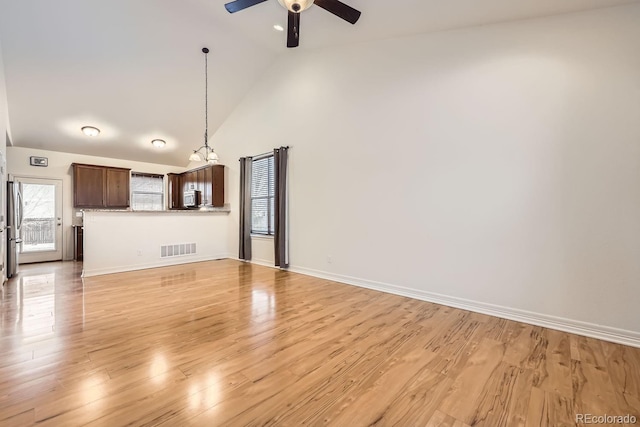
268, 153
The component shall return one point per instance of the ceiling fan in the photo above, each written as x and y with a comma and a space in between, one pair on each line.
295, 7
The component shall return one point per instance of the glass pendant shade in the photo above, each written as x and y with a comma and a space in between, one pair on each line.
194, 157
212, 158
290, 5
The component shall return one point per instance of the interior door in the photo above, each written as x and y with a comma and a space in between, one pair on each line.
41, 228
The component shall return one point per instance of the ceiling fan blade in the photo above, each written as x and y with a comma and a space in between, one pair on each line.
237, 5
293, 33
339, 9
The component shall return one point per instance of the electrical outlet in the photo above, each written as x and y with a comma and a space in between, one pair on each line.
139, 252
329, 259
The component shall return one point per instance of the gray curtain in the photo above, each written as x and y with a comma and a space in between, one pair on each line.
281, 226
245, 208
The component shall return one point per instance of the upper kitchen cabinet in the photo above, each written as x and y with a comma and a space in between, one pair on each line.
175, 190
209, 180
215, 183
117, 188
88, 186
100, 186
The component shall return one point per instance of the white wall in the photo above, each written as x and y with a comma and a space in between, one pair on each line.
124, 241
4, 108
60, 168
496, 166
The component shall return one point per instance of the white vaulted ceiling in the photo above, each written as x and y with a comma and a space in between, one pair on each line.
134, 68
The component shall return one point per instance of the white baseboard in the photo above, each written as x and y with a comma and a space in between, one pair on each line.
145, 266
606, 333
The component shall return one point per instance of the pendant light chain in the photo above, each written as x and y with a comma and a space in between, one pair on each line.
209, 155
206, 97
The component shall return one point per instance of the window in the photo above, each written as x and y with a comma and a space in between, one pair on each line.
147, 192
262, 195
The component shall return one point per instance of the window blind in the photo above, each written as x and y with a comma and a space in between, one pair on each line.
262, 195
147, 192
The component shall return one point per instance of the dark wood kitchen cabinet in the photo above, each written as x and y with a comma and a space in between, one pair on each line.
174, 181
100, 186
78, 243
117, 188
88, 186
216, 185
209, 180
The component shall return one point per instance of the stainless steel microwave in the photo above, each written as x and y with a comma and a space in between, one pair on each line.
192, 198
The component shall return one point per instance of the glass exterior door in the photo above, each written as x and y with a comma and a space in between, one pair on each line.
41, 228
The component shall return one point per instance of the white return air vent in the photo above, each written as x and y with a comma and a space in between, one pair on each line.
180, 249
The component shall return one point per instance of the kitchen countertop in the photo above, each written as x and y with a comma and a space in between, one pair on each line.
225, 209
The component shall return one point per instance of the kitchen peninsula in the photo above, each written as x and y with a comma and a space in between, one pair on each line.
117, 240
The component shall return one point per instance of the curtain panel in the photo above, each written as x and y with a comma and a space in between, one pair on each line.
281, 220
245, 208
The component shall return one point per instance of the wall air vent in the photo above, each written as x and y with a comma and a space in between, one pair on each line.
180, 249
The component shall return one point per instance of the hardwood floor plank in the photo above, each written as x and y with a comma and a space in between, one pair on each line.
230, 343
441, 419
548, 409
625, 377
591, 352
553, 373
468, 388
592, 390
23, 419
575, 347
505, 398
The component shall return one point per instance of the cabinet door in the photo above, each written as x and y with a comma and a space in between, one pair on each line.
208, 186
88, 186
200, 185
79, 248
189, 181
117, 188
175, 191
218, 186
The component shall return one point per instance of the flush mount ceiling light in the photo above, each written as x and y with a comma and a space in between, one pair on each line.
205, 152
294, 7
158, 143
90, 130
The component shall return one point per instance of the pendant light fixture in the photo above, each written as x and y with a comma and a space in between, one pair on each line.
205, 152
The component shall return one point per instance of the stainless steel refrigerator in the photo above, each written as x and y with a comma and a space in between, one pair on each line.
14, 222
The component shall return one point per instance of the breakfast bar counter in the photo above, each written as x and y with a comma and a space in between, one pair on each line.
124, 240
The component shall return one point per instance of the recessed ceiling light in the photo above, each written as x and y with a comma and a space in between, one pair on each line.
278, 27
158, 143
90, 130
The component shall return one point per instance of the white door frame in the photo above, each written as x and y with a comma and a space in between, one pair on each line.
58, 253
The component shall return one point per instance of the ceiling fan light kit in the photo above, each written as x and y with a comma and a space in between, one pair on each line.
295, 7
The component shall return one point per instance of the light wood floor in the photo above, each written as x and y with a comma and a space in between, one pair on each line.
233, 344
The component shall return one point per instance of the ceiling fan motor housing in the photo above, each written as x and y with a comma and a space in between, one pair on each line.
296, 6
